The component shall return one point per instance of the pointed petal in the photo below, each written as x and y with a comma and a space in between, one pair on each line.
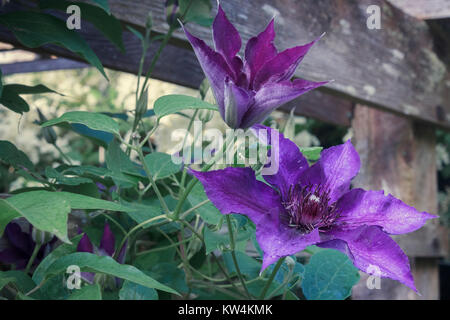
14, 256
85, 245
236, 190
285, 242
108, 241
236, 103
373, 251
19, 239
227, 40
335, 169
122, 253
259, 50
359, 207
291, 162
273, 95
282, 66
213, 64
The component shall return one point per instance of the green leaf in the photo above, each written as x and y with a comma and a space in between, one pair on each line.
199, 11
34, 29
208, 211
134, 291
248, 266
90, 292
62, 179
95, 121
12, 156
13, 101
312, 153
161, 165
48, 211
122, 170
63, 250
11, 96
218, 240
89, 262
102, 4
329, 275
20, 280
23, 89
174, 103
170, 275
101, 19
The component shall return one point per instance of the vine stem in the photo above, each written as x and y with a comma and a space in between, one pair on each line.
36, 249
233, 255
272, 276
163, 216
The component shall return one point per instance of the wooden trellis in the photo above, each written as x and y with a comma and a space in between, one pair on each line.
390, 86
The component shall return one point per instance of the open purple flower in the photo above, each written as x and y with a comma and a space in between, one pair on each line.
248, 90
106, 248
17, 245
301, 206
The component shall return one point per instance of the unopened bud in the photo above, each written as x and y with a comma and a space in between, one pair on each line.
149, 23
205, 115
48, 132
41, 237
289, 128
172, 13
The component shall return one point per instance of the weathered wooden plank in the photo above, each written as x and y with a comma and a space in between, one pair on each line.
399, 157
41, 65
180, 66
394, 68
424, 9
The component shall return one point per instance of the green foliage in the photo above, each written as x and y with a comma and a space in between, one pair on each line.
175, 103
329, 275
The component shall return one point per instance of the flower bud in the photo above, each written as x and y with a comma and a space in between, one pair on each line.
41, 237
48, 132
205, 115
289, 127
142, 105
172, 13
149, 22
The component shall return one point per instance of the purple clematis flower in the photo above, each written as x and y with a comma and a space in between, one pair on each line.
106, 248
304, 205
17, 245
248, 90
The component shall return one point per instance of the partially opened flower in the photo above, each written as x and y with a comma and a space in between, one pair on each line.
248, 90
17, 245
301, 206
106, 248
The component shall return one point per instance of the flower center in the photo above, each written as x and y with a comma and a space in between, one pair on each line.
308, 208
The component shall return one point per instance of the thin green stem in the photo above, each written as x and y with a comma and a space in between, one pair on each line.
233, 255
63, 155
272, 276
153, 183
163, 216
32, 258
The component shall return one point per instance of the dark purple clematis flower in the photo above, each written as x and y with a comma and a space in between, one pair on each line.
106, 248
248, 90
301, 206
17, 245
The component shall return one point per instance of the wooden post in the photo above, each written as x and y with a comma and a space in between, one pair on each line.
398, 156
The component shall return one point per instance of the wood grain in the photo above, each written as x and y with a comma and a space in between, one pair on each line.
424, 9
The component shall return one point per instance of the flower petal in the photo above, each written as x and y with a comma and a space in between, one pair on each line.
107, 244
291, 162
236, 190
14, 256
236, 103
227, 40
19, 239
335, 169
282, 66
282, 242
259, 50
85, 245
374, 251
273, 95
214, 66
359, 207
